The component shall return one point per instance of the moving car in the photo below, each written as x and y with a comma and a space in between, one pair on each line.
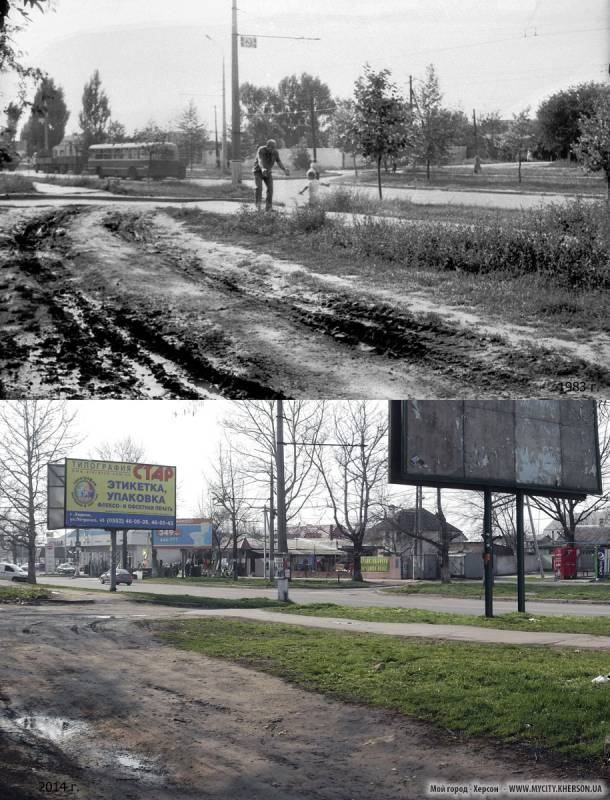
12, 572
122, 576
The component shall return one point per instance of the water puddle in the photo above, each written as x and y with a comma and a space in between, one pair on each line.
79, 741
56, 729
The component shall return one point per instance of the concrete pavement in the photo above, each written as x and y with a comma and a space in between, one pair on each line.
357, 598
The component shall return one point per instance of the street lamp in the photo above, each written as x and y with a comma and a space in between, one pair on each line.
224, 106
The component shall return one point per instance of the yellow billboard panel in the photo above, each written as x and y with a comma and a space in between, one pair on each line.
117, 494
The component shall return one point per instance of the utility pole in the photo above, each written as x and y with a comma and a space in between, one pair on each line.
234, 531
224, 119
312, 110
124, 551
265, 528
235, 127
216, 140
282, 543
477, 160
488, 553
271, 525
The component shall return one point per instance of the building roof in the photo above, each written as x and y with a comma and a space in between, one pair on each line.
403, 520
297, 546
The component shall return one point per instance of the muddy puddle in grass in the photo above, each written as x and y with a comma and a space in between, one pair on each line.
82, 744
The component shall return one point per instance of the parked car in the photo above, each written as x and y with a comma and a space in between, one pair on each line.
65, 569
122, 576
12, 572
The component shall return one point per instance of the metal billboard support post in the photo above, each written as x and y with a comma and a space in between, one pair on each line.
488, 554
520, 551
113, 560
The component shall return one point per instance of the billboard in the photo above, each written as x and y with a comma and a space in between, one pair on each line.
187, 533
543, 447
117, 494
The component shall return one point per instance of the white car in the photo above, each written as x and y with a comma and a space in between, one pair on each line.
12, 572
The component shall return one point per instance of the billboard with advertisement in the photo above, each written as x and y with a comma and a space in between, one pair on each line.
118, 494
188, 533
544, 447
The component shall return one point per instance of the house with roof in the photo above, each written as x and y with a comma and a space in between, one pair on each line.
413, 535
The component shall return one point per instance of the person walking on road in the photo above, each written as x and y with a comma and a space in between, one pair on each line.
267, 157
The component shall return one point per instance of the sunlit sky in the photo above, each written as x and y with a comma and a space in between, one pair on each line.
154, 56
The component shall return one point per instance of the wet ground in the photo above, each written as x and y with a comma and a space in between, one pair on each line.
130, 303
90, 700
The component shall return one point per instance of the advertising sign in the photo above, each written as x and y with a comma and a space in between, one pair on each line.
187, 533
247, 41
601, 563
543, 447
117, 494
49, 556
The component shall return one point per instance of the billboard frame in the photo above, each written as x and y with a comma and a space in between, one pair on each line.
397, 433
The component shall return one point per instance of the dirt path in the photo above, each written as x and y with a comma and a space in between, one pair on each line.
125, 304
96, 702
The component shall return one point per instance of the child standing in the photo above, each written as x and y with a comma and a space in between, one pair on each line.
313, 185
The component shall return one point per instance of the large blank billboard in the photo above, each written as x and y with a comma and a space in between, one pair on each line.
545, 447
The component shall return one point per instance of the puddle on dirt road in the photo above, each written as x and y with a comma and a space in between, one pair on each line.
77, 740
55, 729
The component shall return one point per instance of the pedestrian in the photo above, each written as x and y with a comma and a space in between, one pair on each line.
267, 157
313, 185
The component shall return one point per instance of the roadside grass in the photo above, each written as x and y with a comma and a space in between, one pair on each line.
165, 188
23, 595
539, 697
194, 601
596, 626
557, 177
310, 583
11, 183
535, 590
551, 267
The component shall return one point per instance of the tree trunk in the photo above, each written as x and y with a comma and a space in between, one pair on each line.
379, 175
444, 548
357, 574
519, 167
428, 169
356, 168
234, 525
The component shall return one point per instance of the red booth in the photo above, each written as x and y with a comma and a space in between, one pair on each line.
564, 562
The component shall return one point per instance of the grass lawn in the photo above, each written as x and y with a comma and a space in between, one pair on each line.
23, 594
597, 626
194, 601
593, 592
548, 266
542, 177
540, 697
267, 584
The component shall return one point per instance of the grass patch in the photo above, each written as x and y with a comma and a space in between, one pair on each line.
23, 595
551, 266
535, 696
535, 590
310, 583
596, 626
195, 601
165, 188
10, 183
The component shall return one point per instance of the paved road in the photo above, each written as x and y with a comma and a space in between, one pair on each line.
350, 597
286, 191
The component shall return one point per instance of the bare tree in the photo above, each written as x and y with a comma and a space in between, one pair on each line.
127, 449
353, 469
33, 433
570, 513
221, 528
254, 423
228, 492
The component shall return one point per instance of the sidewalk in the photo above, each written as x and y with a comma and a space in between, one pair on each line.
457, 633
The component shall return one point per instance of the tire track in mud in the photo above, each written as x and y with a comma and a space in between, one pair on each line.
484, 362
102, 348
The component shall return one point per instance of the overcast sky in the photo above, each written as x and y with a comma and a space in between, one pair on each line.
171, 434
153, 55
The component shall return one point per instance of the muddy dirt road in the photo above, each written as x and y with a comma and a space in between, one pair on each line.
89, 698
124, 303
